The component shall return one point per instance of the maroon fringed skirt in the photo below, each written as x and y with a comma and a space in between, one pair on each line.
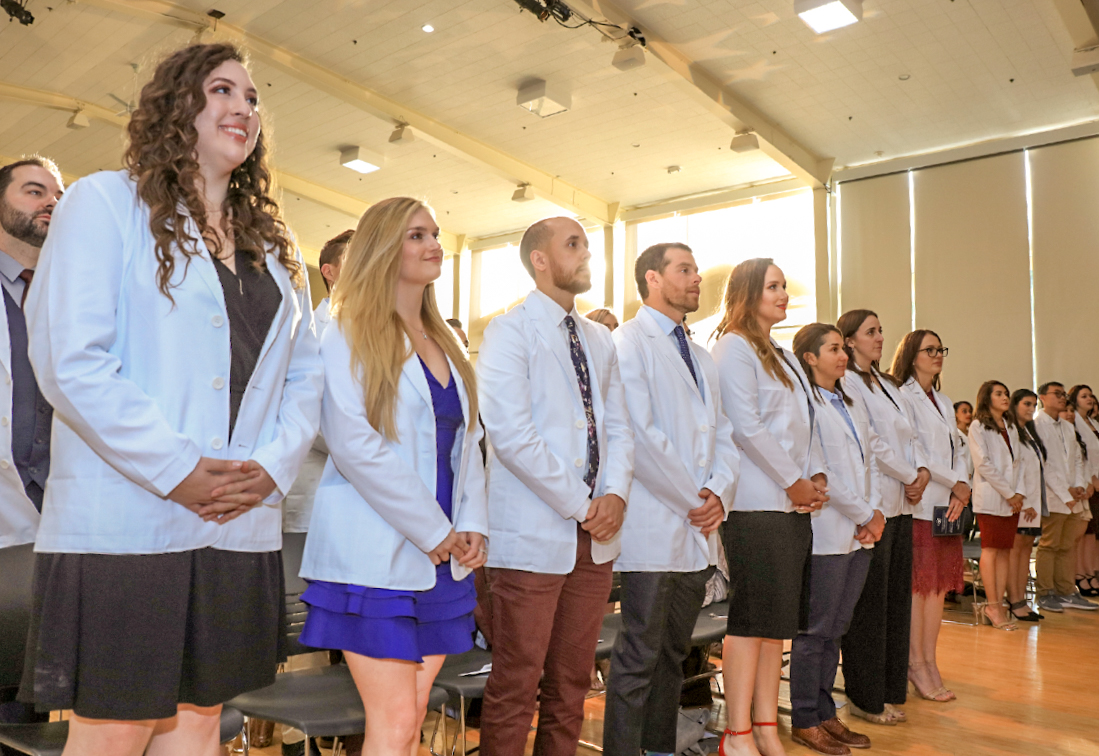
936, 562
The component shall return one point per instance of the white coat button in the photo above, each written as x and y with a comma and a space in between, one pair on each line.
702, 462
4, 465
4, 421
579, 463
219, 383
704, 427
218, 321
216, 443
580, 423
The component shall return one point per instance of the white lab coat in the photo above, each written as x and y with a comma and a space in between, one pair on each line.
893, 441
1030, 482
683, 442
853, 479
375, 515
997, 470
1062, 470
1091, 441
938, 436
770, 425
140, 384
967, 457
297, 508
537, 430
18, 517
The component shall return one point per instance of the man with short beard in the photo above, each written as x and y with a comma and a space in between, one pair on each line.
559, 472
683, 485
29, 190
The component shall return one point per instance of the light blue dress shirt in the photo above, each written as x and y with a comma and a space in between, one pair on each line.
667, 325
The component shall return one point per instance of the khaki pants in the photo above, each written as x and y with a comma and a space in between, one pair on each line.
1054, 565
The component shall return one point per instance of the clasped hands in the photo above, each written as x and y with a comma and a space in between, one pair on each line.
605, 515
913, 491
220, 490
870, 533
710, 515
467, 548
809, 495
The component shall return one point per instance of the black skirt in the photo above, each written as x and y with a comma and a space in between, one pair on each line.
131, 636
769, 565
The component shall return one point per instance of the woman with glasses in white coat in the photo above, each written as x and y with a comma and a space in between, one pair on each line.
844, 532
400, 515
1087, 549
936, 560
998, 493
875, 647
768, 534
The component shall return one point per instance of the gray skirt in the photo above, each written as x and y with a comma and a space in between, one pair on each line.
769, 563
131, 636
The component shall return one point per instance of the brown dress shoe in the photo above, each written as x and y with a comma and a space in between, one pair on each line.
817, 739
838, 730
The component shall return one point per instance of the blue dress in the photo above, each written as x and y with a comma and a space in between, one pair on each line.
388, 624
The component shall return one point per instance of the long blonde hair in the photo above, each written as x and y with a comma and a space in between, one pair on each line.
365, 305
743, 293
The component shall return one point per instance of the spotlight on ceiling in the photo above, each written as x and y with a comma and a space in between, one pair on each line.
543, 98
358, 159
78, 120
402, 135
428, 28
827, 15
523, 193
746, 142
629, 56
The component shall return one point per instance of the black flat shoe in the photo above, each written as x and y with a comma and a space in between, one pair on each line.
1083, 584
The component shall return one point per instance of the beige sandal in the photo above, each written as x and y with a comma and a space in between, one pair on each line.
878, 719
895, 713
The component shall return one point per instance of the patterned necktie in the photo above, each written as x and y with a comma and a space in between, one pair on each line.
684, 352
580, 364
26, 275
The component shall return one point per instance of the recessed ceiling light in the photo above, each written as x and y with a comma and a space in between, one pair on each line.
827, 15
428, 28
360, 160
904, 77
543, 98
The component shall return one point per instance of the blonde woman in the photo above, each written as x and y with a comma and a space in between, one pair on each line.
603, 316
400, 514
768, 535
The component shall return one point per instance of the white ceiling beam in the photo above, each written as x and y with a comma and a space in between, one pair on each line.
1081, 28
717, 97
545, 185
333, 200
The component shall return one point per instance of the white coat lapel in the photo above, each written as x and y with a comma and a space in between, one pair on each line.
203, 262
667, 352
413, 371
5, 342
558, 345
286, 288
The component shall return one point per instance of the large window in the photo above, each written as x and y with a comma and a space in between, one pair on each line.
444, 289
780, 228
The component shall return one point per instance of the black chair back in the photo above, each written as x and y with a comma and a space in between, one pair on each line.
16, 575
293, 546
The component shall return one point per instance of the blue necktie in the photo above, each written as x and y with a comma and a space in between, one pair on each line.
837, 402
684, 351
580, 364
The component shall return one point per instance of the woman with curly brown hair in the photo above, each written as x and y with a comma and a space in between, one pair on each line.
170, 330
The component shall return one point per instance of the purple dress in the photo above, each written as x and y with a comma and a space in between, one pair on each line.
388, 624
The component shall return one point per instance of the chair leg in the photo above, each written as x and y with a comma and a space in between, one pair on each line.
440, 723
337, 747
245, 745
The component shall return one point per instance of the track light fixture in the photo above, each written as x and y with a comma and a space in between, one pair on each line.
402, 135
523, 193
17, 11
746, 142
827, 15
78, 120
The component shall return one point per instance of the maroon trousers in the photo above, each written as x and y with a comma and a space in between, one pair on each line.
544, 629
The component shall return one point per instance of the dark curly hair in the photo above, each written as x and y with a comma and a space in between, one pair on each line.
161, 158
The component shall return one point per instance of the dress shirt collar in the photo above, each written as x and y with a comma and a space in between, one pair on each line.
9, 267
667, 325
554, 311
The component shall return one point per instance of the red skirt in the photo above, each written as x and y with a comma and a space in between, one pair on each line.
936, 562
997, 531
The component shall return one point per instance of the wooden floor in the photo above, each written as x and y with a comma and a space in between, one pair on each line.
1033, 692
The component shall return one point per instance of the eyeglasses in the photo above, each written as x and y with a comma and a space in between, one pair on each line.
934, 352
1058, 394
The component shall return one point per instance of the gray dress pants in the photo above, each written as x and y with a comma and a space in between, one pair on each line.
659, 611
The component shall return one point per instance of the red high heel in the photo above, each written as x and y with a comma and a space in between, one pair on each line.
735, 734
